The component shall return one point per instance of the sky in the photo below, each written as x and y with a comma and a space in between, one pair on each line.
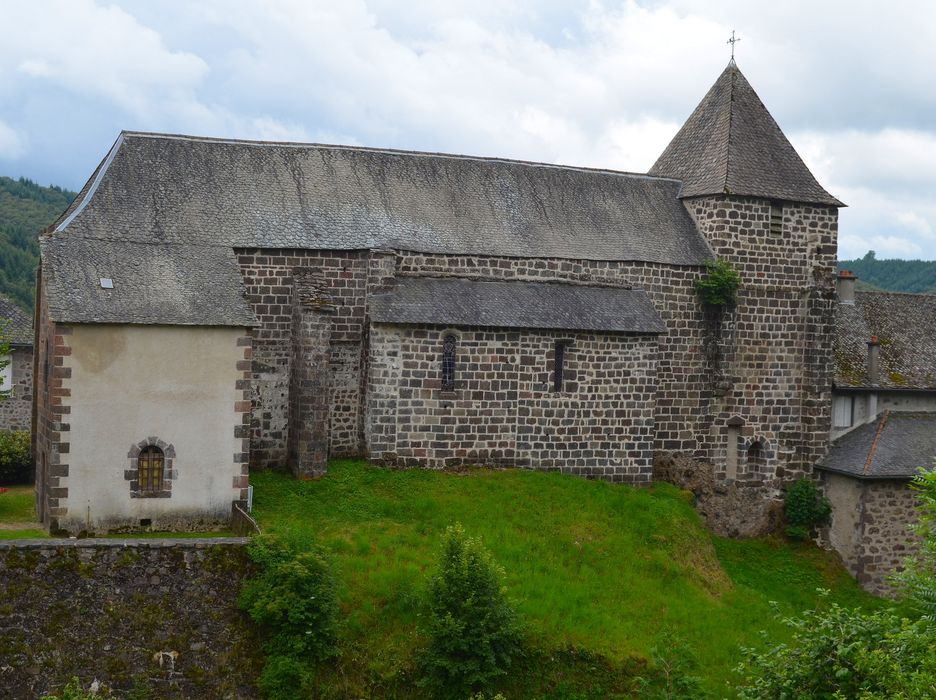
594, 83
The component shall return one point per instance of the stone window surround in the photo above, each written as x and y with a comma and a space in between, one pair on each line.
449, 391
169, 473
558, 366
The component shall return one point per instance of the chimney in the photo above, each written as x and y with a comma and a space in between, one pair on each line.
845, 287
874, 360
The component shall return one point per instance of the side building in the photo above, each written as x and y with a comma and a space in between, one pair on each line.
17, 376
432, 310
883, 428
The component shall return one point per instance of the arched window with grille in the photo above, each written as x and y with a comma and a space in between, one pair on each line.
448, 362
151, 471
150, 466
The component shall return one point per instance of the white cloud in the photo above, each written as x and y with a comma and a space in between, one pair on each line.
12, 144
604, 83
99, 51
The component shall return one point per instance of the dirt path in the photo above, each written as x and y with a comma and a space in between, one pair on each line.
26, 525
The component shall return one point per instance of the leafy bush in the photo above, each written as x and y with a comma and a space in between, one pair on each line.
918, 580
15, 457
294, 601
673, 665
720, 285
472, 625
73, 691
841, 653
805, 508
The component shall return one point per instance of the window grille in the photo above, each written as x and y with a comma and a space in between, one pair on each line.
448, 363
150, 469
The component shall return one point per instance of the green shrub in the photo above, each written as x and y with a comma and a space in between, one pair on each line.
73, 691
672, 671
472, 625
805, 508
15, 457
294, 602
841, 653
918, 580
720, 285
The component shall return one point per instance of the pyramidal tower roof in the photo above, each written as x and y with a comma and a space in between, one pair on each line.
731, 145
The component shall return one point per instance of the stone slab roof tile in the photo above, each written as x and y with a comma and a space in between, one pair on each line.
167, 284
172, 189
19, 324
461, 302
731, 145
892, 447
905, 325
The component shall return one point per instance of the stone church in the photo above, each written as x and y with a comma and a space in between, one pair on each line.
207, 306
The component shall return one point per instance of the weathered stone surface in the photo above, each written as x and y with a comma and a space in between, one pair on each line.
159, 613
871, 526
16, 411
730, 510
504, 407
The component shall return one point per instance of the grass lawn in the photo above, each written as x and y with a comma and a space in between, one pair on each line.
18, 514
593, 567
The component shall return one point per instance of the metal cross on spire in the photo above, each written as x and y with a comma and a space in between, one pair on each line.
733, 41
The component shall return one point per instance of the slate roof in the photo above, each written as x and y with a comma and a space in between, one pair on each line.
905, 325
732, 145
461, 302
161, 283
187, 190
19, 325
893, 447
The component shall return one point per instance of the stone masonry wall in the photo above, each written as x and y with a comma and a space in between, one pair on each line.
778, 366
684, 383
51, 412
888, 509
504, 408
767, 362
870, 528
268, 279
146, 615
16, 411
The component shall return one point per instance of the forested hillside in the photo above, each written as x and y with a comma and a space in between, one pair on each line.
917, 276
25, 209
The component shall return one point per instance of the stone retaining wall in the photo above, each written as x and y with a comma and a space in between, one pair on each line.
156, 614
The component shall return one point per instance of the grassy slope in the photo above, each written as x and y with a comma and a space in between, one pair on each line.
600, 567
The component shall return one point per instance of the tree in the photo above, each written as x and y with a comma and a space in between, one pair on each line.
472, 626
838, 653
918, 580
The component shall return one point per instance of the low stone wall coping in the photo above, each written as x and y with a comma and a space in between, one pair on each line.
115, 543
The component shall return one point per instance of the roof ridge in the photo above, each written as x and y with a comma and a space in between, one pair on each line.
393, 151
731, 91
894, 293
876, 441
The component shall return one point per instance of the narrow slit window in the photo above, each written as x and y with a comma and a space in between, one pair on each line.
448, 363
559, 366
150, 469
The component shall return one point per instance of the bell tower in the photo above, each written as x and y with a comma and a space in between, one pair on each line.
761, 209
